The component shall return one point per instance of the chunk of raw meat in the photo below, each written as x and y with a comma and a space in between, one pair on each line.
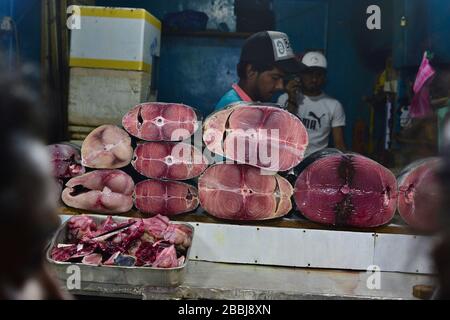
166, 198
161, 121
107, 147
85, 248
102, 191
108, 225
146, 254
66, 161
346, 190
241, 192
167, 258
133, 234
419, 194
63, 253
81, 227
178, 235
156, 225
168, 160
259, 135
94, 259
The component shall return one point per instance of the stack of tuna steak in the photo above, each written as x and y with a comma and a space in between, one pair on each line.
161, 157
262, 140
345, 189
418, 197
165, 159
106, 189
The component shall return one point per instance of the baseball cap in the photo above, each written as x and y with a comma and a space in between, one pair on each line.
315, 59
271, 48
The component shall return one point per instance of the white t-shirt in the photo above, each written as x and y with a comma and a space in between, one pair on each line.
319, 115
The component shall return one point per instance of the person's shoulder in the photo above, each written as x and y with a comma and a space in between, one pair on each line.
331, 101
329, 98
229, 97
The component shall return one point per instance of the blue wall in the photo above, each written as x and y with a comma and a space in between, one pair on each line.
306, 22
27, 17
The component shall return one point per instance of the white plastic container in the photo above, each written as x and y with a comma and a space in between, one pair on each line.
113, 62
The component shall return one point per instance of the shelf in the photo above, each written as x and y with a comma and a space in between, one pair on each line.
207, 34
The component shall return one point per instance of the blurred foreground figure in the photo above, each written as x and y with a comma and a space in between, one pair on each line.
27, 197
442, 250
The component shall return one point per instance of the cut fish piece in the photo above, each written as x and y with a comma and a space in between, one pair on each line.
241, 192
156, 121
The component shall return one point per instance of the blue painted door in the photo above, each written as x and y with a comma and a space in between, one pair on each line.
305, 22
426, 27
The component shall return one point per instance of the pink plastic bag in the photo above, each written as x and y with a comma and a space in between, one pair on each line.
420, 105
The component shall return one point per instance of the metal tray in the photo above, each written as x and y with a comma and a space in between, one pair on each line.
139, 276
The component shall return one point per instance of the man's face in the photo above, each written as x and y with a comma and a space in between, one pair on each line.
313, 80
268, 83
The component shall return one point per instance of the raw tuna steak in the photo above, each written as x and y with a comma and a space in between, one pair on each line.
102, 191
346, 190
418, 197
259, 135
168, 160
161, 121
240, 192
66, 161
166, 198
107, 147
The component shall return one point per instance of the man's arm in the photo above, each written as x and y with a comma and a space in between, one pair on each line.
338, 138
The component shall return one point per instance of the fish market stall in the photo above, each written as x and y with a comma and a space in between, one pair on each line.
180, 225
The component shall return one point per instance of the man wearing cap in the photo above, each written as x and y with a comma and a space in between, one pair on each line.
320, 113
266, 58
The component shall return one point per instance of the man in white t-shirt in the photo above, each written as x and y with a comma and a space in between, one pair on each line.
321, 114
